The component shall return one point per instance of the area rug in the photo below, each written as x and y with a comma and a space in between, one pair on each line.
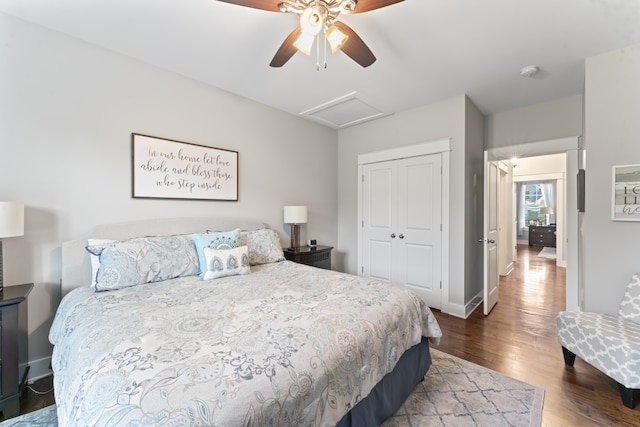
45, 417
460, 393
546, 252
454, 393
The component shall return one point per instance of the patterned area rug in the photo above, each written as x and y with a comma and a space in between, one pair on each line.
454, 393
460, 393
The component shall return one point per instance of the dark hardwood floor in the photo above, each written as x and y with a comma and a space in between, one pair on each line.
32, 401
518, 338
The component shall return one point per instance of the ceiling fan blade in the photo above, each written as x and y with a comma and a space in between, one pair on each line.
286, 50
354, 47
270, 5
367, 5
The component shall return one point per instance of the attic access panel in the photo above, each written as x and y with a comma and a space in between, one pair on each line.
344, 111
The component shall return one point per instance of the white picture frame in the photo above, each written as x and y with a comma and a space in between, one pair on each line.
167, 169
625, 193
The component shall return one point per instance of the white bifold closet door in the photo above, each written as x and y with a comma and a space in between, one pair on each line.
402, 224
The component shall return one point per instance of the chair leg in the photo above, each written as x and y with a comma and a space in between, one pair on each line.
569, 357
627, 395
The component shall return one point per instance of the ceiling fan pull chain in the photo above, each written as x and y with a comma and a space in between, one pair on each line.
317, 53
324, 43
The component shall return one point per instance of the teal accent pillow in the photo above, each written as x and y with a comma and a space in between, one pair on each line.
144, 260
214, 240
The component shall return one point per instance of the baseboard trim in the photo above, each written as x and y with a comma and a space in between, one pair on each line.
39, 369
456, 310
464, 311
475, 302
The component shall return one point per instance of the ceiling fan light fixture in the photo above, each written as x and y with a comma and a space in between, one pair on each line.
312, 20
336, 38
304, 42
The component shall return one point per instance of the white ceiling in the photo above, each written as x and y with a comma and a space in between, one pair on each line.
427, 50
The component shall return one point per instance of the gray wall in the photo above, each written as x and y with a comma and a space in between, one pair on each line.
541, 122
67, 111
474, 201
612, 137
441, 120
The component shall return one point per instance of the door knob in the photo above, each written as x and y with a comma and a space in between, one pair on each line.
401, 236
488, 241
393, 235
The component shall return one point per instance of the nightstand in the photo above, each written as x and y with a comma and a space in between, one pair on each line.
14, 347
320, 256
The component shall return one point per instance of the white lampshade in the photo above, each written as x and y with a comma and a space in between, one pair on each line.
546, 210
11, 219
295, 214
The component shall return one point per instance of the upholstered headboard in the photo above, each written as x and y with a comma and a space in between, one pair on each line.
76, 263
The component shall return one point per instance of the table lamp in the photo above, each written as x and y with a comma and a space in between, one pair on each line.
11, 225
546, 211
295, 215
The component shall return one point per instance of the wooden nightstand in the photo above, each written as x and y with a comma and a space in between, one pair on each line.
320, 256
14, 347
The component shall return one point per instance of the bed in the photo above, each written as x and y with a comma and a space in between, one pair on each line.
277, 343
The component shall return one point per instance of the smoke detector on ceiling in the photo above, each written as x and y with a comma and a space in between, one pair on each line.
529, 71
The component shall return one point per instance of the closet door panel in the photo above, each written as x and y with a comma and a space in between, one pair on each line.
380, 198
419, 222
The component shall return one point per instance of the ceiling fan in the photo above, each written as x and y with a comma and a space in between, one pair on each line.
320, 16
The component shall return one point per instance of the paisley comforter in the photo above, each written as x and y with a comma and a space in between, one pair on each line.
285, 345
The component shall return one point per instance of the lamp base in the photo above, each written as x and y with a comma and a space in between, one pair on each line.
295, 235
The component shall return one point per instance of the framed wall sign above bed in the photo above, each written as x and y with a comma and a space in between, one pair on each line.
167, 169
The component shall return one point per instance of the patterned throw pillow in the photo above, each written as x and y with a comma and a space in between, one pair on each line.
630, 305
264, 246
95, 259
215, 240
226, 262
144, 260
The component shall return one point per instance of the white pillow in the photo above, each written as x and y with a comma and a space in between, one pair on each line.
226, 262
264, 246
95, 259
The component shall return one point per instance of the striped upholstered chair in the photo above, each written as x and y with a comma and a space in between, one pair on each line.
608, 342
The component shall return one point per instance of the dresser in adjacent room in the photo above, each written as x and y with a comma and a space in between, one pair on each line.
542, 235
14, 347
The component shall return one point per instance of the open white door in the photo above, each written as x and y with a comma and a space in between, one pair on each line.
490, 238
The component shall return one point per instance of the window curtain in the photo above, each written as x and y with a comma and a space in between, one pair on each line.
548, 189
520, 208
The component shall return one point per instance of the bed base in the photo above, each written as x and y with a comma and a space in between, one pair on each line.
390, 393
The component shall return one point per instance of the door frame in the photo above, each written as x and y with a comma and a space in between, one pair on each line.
441, 146
570, 146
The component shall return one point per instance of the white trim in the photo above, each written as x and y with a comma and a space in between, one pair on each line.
464, 311
39, 369
530, 149
538, 177
445, 244
434, 147
573, 239
443, 147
